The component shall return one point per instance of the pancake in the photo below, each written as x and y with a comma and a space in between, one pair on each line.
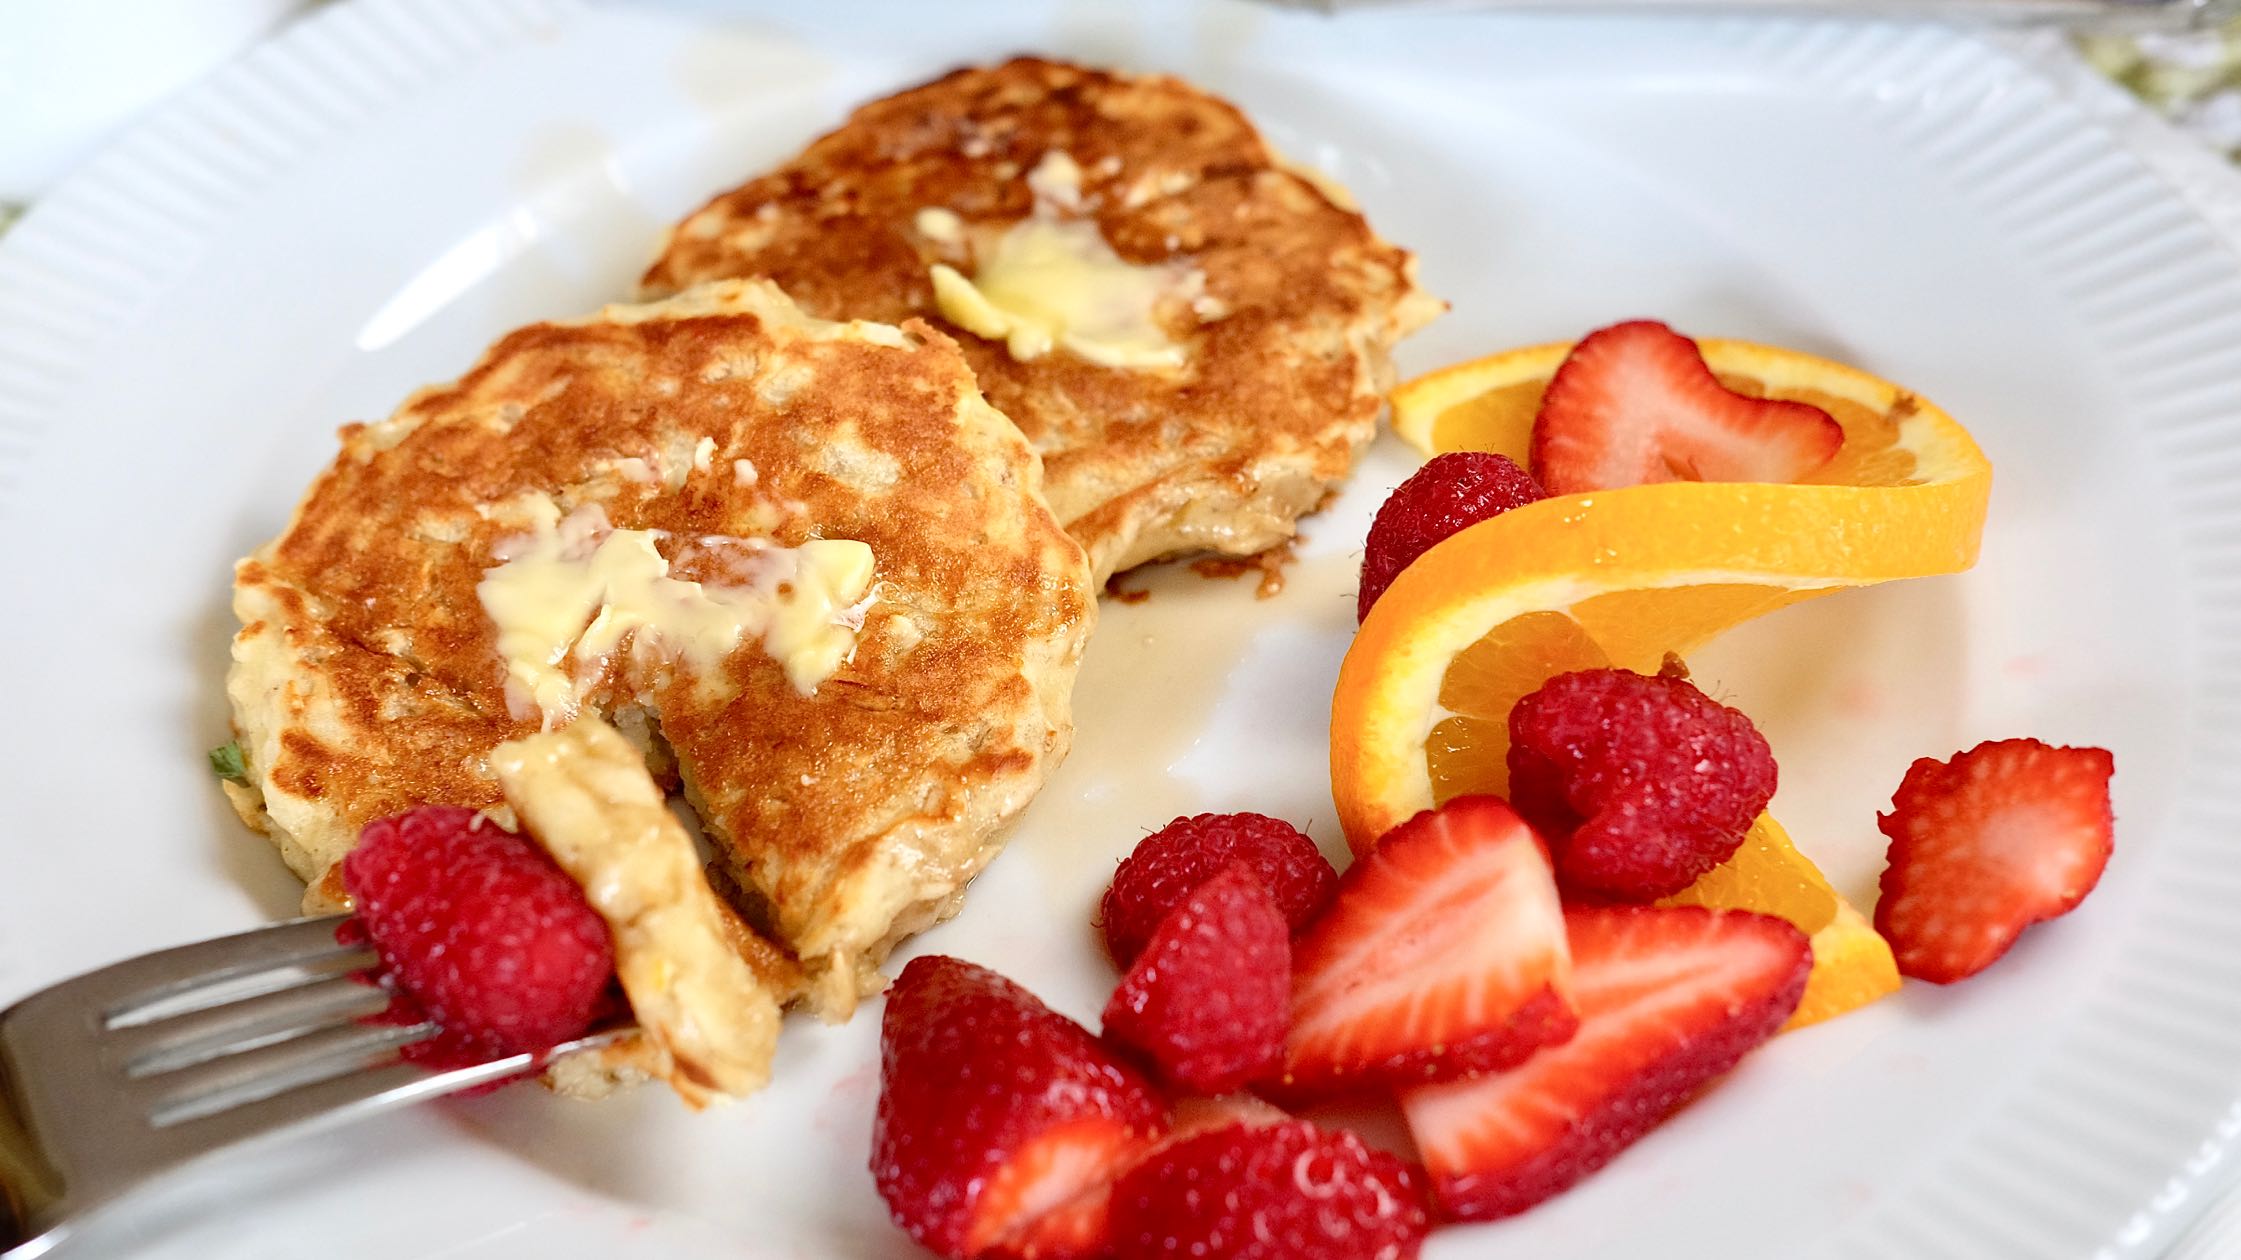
1279, 303
707, 1017
721, 463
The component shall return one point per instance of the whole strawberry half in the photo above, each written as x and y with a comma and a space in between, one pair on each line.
1286, 1191
995, 1111
1450, 492
2002, 836
1635, 403
1443, 954
1640, 783
1173, 861
1669, 998
1208, 998
481, 931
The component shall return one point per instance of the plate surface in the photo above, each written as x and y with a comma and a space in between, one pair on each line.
357, 208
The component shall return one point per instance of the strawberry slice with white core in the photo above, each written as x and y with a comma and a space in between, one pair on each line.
1197, 1115
1288, 1191
1668, 999
1045, 1199
2007, 834
1635, 404
1083, 1227
1078, 1225
995, 1111
1443, 954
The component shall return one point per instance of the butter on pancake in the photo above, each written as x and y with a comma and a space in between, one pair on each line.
1051, 282
804, 563
568, 596
1196, 336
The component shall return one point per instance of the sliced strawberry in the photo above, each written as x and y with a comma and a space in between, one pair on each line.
1635, 403
1078, 1229
1668, 999
1442, 954
2008, 834
1207, 999
1287, 1191
1197, 1115
994, 1110
1083, 1226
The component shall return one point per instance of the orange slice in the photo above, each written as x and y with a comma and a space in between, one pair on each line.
1622, 577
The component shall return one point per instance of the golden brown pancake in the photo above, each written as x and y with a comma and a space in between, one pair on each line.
1285, 327
367, 676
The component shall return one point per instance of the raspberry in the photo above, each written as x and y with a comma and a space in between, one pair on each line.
1287, 1191
480, 929
1169, 863
1210, 996
1449, 492
1639, 784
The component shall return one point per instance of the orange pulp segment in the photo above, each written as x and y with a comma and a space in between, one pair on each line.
1769, 875
1852, 966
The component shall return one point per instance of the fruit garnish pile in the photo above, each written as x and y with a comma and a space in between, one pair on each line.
1567, 912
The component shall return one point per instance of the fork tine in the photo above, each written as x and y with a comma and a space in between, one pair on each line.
239, 983
179, 1041
129, 988
335, 1100
231, 1080
354, 1095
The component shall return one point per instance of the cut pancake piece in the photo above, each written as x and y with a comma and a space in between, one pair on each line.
583, 794
1195, 336
669, 505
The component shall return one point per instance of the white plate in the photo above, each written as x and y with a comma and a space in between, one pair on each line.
360, 206
67, 81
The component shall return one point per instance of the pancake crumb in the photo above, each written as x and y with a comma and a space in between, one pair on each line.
1125, 594
1269, 563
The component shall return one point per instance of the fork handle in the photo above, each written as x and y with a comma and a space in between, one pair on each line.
28, 1187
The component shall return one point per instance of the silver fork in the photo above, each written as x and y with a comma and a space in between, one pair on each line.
129, 1073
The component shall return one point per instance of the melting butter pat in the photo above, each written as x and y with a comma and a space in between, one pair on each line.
815, 619
573, 593
1052, 283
